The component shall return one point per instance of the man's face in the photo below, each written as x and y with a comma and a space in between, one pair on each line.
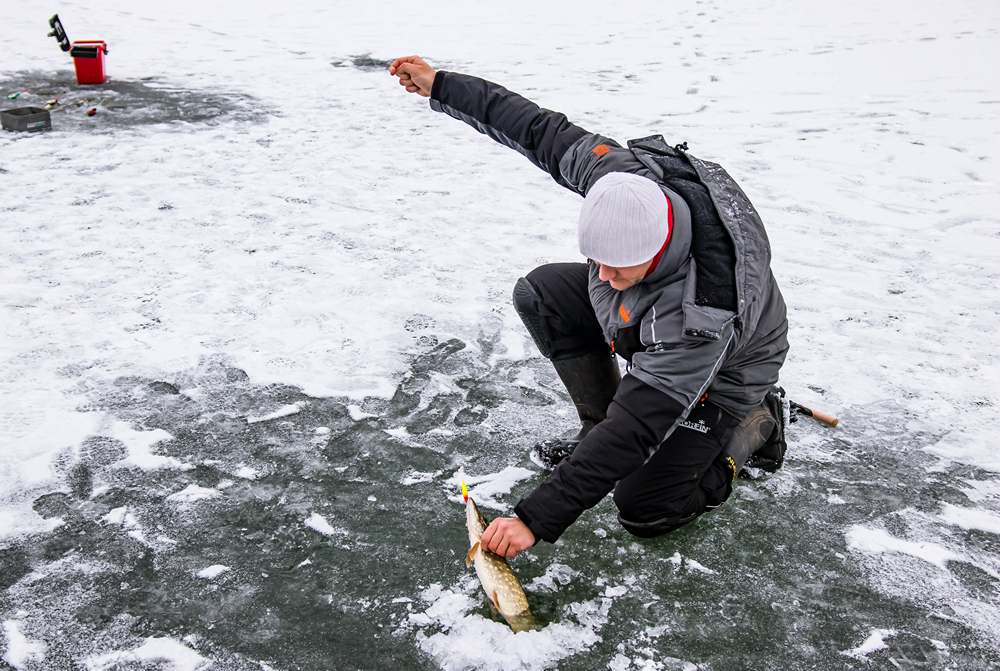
621, 279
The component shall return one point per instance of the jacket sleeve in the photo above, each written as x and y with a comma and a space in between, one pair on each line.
638, 420
565, 151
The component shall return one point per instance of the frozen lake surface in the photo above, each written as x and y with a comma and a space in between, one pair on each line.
255, 329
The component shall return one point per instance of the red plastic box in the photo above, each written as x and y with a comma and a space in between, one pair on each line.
88, 58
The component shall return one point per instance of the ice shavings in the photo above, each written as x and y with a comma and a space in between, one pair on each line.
620, 662
193, 493
317, 522
283, 411
982, 490
894, 566
415, 477
212, 571
16, 520
121, 517
246, 473
968, 445
655, 661
140, 444
116, 515
173, 654
556, 576
876, 541
616, 591
357, 414
874, 643
686, 562
463, 640
971, 518
21, 650
484, 489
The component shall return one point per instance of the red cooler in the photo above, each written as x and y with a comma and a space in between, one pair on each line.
88, 58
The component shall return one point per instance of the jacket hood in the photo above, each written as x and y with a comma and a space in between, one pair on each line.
679, 247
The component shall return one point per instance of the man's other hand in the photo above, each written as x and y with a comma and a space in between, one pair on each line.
507, 536
414, 73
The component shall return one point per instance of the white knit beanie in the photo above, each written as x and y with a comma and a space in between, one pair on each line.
623, 221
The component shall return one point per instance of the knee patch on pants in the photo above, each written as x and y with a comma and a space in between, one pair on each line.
647, 518
526, 302
664, 525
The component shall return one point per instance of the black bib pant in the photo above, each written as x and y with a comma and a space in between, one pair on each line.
687, 476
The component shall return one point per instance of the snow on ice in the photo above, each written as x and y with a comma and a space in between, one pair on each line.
259, 235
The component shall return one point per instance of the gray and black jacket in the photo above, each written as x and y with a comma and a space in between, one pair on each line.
709, 318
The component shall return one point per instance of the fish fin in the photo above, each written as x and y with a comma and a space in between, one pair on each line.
495, 600
523, 621
471, 554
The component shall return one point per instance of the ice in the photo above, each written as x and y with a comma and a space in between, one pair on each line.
556, 575
212, 571
357, 414
866, 539
121, 517
470, 641
116, 515
21, 651
174, 655
487, 489
192, 494
283, 411
416, 477
246, 472
616, 591
874, 643
689, 564
982, 491
17, 521
319, 523
140, 444
272, 224
971, 518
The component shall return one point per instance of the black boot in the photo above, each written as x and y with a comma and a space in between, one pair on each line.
771, 456
591, 381
758, 440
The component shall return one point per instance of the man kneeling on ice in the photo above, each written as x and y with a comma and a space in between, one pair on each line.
677, 282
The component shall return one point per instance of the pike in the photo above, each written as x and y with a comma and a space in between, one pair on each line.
495, 575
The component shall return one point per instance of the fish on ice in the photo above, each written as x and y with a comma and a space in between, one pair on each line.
497, 578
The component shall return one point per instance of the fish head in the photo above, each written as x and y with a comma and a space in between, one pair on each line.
474, 521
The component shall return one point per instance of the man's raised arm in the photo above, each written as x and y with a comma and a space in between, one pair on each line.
543, 136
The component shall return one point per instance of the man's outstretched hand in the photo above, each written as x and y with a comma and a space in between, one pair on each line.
507, 536
414, 73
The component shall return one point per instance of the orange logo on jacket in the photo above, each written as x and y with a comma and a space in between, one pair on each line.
624, 314
601, 149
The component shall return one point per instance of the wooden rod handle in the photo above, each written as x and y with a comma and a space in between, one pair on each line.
824, 418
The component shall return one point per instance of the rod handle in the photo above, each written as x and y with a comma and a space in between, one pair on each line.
824, 418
